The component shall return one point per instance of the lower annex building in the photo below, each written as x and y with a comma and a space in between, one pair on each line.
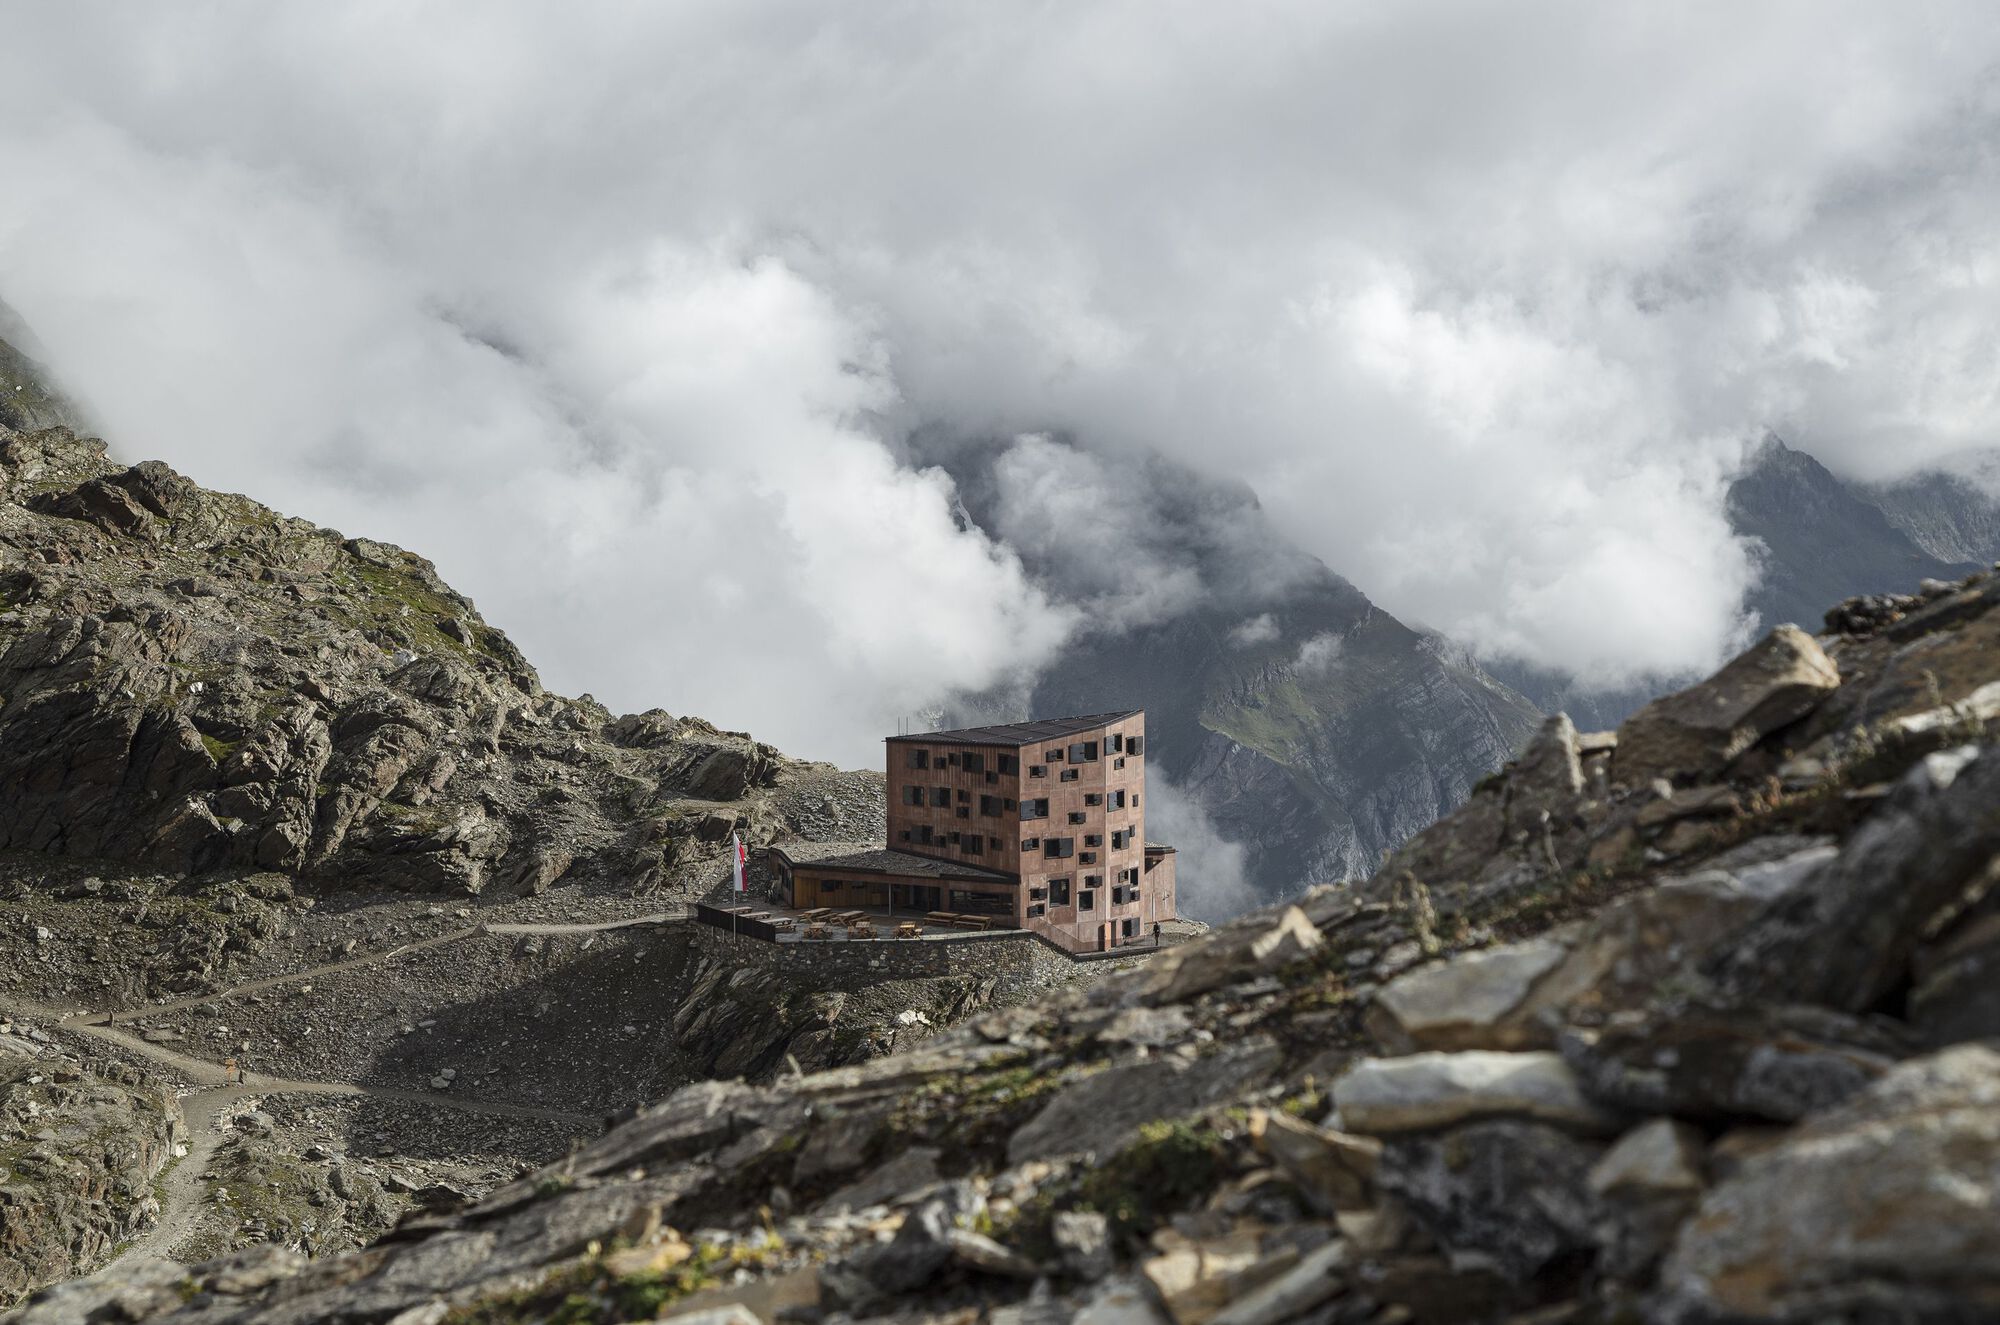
1040, 825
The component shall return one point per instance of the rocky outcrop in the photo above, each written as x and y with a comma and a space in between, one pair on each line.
1697, 1049
80, 1146
191, 682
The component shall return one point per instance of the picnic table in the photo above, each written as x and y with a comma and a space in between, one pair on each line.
909, 929
815, 931
818, 913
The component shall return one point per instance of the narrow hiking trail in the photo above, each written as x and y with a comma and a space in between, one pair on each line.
386, 955
202, 1110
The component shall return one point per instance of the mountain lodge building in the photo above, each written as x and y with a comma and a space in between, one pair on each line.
1036, 825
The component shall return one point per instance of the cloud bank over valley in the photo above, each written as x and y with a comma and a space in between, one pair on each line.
675, 334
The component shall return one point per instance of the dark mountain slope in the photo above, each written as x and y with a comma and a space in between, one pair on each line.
1822, 541
1946, 514
1300, 719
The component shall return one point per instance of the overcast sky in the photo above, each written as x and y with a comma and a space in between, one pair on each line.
624, 314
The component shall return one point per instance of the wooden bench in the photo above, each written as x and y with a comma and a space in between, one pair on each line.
816, 932
909, 929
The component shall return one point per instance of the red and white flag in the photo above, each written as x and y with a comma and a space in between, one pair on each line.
740, 856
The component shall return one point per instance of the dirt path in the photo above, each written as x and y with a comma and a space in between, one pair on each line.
201, 1110
180, 1189
385, 955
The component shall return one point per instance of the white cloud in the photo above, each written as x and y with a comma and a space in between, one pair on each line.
1210, 878
1260, 629
624, 315
1319, 654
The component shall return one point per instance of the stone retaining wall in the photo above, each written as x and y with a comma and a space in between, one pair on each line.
1006, 955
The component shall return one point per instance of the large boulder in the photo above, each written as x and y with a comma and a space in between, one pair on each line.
1883, 1209
1693, 735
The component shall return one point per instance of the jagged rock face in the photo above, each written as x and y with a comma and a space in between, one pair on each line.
1677, 1052
1947, 515
192, 682
79, 1149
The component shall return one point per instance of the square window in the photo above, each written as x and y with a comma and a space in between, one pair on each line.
1086, 901
920, 758
1038, 771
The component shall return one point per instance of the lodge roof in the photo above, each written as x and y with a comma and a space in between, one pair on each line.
1019, 733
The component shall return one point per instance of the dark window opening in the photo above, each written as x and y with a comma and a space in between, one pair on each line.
940, 797
913, 795
1086, 901
1093, 798
1071, 774
1037, 771
1082, 752
989, 805
1058, 848
1031, 844
1058, 892
1007, 763
972, 763
1097, 840
1078, 816
1037, 809
920, 759
1118, 800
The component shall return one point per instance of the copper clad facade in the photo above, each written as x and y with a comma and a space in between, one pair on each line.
1056, 808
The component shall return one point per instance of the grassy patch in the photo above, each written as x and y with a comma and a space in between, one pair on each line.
218, 750
588, 1292
1171, 1165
